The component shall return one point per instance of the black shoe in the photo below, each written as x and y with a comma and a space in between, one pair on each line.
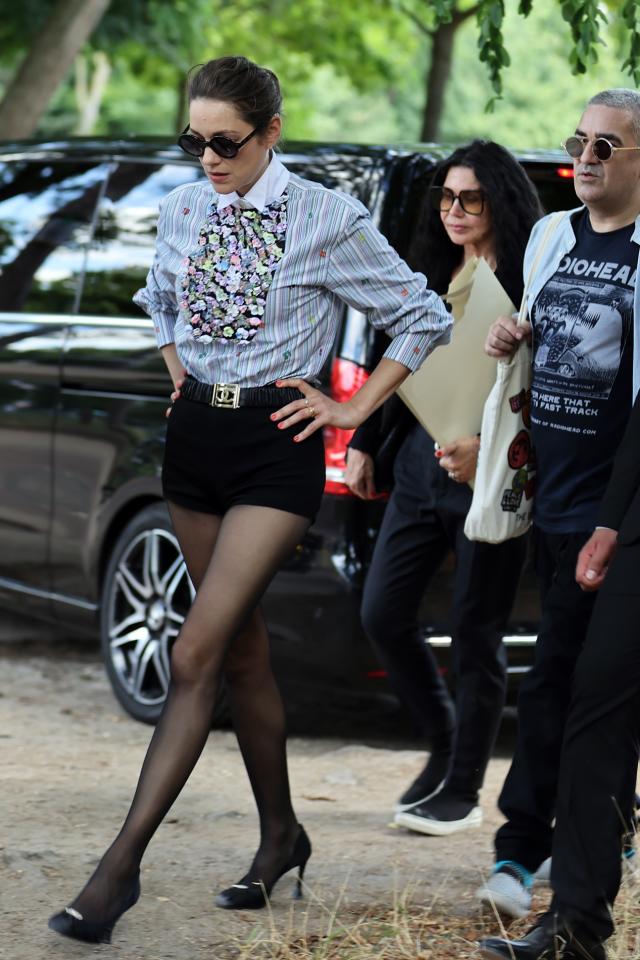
418, 792
441, 816
431, 779
70, 923
548, 940
250, 894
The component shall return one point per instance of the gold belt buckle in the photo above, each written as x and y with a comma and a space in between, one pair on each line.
226, 395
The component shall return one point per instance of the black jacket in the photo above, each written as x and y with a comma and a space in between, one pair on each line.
381, 436
620, 507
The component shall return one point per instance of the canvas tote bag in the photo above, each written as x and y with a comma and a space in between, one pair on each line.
505, 476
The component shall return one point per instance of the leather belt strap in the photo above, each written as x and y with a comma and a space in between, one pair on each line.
230, 396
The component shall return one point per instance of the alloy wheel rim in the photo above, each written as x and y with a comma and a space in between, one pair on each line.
149, 600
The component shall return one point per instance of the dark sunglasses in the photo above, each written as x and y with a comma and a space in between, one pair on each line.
602, 148
222, 146
471, 201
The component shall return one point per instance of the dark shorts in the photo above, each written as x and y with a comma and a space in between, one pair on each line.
217, 458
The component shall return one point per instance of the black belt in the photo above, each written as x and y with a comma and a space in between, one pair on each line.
231, 396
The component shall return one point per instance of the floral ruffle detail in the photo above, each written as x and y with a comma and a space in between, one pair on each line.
225, 282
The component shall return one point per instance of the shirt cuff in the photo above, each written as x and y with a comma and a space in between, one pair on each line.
412, 349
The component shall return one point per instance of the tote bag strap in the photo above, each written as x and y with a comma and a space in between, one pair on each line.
554, 222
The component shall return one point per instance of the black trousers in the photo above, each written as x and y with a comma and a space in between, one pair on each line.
600, 754
423, 521
528, 797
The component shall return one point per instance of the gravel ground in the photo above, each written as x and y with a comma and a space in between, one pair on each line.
70, 759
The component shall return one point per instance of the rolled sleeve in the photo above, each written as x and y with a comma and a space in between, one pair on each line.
163, 317
157, 298
367, 273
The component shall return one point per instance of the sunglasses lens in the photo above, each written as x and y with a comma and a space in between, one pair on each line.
602, 149
224, 147
441, 199
471, 201
574, 147
191, 145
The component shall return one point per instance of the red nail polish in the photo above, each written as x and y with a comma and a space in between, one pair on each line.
274, 416
281, 426
438, 454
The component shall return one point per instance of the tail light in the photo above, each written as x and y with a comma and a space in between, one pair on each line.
346, 378
565, 172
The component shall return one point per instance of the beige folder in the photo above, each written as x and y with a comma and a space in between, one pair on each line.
448, 392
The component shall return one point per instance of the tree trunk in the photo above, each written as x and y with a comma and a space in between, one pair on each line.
437, 77
182, 106
92, 77
68, 27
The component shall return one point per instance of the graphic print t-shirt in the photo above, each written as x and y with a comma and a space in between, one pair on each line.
582, 374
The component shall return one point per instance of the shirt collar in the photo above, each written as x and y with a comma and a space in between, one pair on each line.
268, 188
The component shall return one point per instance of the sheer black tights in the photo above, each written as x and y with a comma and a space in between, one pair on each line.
231, 560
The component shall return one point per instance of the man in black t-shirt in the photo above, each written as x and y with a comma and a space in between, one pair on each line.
585, 325
582, 373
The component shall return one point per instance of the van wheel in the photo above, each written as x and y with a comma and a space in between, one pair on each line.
146, 595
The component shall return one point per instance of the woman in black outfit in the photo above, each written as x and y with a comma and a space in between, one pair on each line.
253, 265
480, 203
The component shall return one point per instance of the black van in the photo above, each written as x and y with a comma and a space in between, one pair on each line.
84, 535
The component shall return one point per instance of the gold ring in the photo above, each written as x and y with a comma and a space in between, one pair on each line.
312, 411
306, 401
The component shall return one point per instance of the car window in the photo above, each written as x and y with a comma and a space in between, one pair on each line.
401, 185
46, 211
351, 173
125, 234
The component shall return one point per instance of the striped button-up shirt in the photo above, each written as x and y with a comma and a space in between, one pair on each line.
333, 255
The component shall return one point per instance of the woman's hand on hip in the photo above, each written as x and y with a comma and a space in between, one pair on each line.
460, 458
175, 394
314, 411
359, 474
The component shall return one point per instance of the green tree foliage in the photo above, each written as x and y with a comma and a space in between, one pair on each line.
630, 16
542, 98
540, 105
370, 57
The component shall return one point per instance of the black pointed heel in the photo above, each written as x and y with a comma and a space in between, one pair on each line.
297, 890
70, 923
250, 894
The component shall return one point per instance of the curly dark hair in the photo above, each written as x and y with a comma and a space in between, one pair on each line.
514, 206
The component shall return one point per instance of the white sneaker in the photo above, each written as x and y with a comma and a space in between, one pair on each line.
543, 873
506, 894
433, 827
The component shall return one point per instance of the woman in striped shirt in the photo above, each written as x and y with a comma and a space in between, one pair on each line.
252, 269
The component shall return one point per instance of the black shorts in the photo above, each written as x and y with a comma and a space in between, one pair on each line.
216, 458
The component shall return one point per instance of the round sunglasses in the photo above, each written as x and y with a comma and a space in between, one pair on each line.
224, 147
471, 201
602, 148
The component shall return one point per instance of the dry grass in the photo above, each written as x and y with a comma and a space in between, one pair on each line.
413, 931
